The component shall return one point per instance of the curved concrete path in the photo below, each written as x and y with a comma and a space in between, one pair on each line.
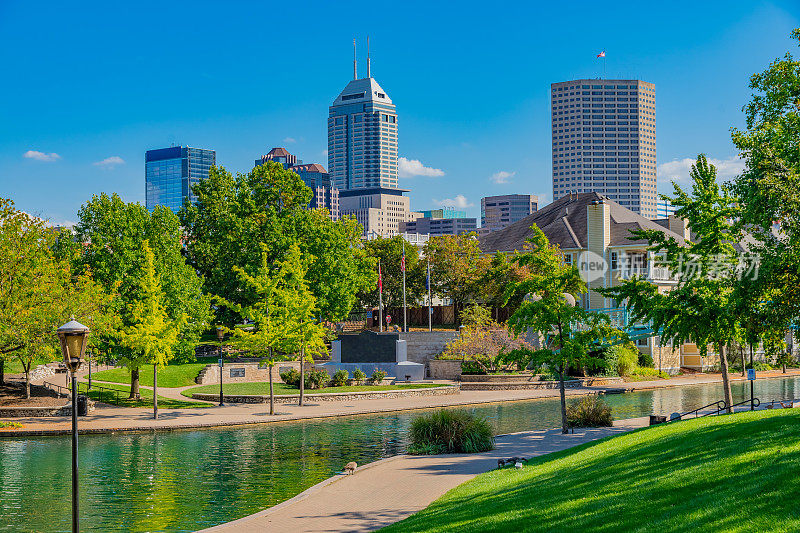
389, 490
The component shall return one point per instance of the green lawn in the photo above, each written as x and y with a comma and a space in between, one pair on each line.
146, 394
262, 388
181, 375
726, 473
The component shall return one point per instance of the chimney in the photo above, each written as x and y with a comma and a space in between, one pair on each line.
679, 226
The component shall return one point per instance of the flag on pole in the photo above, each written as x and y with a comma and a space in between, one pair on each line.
602, 54
380, 279
428, 279
403, 260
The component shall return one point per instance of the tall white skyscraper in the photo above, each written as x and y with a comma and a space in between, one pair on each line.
604, 140
362, 136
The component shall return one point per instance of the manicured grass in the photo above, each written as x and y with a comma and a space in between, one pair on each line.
181, 375
262, 388
727, 473
146, 400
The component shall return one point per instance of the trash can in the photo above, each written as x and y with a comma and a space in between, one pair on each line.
657, 419
83, 405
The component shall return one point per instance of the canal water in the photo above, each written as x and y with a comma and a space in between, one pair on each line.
187, 480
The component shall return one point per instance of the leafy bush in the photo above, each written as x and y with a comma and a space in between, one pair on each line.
359, 376
589, 411
316, 379
450, 431
340, 378
291, 377
621, 360
483, 345
760, 366
377, 377
646, 371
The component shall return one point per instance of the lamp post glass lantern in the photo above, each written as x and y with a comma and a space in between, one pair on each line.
73, 337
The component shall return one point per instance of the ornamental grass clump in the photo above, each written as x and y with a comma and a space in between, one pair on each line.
589, 412
450, 431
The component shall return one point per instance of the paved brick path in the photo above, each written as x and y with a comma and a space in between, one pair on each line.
392, 489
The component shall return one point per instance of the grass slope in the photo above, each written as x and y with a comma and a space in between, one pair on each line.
145, 401
181, 375
262, 389
726, 473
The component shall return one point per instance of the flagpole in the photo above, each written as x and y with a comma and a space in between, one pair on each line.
380, 297
405, 318
430, 301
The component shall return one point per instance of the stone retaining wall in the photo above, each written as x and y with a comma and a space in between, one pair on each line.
210, 374
423, 346
533, 385
333, 396
444, 369
500, 378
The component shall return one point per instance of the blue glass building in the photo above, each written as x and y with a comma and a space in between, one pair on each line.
170, 173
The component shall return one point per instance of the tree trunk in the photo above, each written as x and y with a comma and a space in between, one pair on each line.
27, 385
302, 376
134, 395
155, 391
563, 393
726, 384
741, 353
2, 372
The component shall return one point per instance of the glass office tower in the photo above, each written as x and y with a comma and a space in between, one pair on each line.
169, 174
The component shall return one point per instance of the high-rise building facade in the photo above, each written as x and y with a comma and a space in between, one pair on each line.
362, 137
380, 211
433, 226
498, 212
665, 209
604, 140
313, 175
170, 173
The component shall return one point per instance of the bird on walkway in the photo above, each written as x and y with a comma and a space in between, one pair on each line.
350, 467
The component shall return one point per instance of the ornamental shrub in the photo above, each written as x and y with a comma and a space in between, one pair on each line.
589, 411
359, 376
621, 360
340, 378
316, 379
450, 431
291, 377
377, 377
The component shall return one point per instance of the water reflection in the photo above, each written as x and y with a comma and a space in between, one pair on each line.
183, 481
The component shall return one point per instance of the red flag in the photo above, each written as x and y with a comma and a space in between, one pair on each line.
380, 279
403, 262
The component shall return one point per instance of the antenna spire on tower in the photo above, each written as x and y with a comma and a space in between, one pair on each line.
355, 69
369, 73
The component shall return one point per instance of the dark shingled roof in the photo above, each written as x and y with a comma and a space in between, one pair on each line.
311, 167
564, 223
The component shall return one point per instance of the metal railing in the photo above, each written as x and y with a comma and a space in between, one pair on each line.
720, 404
104, 394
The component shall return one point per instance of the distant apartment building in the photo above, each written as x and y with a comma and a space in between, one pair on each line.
380, 211
170, 173
498, 212
433, 225
445, 212
604, 141
665, 209
313, 175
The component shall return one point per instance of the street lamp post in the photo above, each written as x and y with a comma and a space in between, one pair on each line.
220, 336
73, 336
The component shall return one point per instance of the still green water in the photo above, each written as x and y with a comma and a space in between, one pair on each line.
188, 480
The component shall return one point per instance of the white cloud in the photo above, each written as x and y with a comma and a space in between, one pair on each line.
110, 162
502, 176
413, 167
459, 202
41, 156
290, 140
678, 170
324, 153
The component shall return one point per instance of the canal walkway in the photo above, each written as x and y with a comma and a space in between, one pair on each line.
392, 489
107, 418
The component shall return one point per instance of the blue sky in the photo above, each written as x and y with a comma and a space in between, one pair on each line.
98, 84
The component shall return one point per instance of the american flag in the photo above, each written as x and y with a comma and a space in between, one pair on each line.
380, 279
403, 261
602, 54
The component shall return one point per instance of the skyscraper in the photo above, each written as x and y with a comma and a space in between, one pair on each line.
169, 174
362, 136
498, 212
604, 140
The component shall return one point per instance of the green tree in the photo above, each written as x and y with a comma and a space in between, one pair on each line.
113, 234
303, 331
389, 252
702, 307
266, 317
567, 335
234, 215
457, 268
769, 190
151, 336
